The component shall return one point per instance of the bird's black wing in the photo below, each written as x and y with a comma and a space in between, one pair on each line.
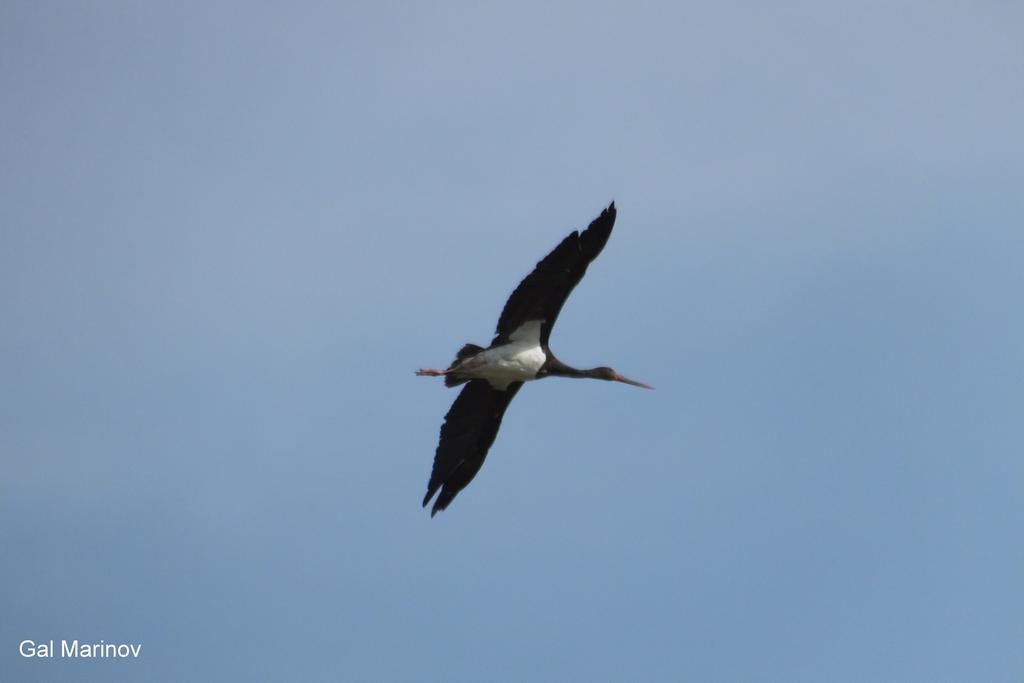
467, 433
541, 294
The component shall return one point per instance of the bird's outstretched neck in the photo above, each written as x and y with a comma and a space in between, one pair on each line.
557, 368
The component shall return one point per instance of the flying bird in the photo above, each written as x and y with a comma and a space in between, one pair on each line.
518, 353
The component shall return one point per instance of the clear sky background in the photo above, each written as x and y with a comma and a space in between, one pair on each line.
232, 231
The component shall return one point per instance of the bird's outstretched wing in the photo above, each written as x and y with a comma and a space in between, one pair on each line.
467, 433
541, 294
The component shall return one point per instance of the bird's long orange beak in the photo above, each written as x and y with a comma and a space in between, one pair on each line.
622, 378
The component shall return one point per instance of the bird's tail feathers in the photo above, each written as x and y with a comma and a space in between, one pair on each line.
464, 353
454, 379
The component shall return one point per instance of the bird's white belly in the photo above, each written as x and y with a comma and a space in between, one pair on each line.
515, 362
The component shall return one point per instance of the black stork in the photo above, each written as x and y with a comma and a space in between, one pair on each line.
518, 353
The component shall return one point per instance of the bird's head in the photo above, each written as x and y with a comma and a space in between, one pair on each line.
610, 375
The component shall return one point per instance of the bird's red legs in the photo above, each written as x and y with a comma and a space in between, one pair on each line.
431, 372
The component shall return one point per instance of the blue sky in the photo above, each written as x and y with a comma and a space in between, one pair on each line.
231, 232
